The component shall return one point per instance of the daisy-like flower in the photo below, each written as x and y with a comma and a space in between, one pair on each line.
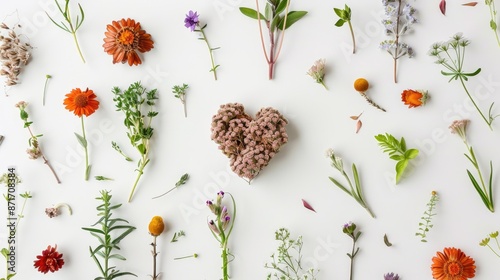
82, 103
192, 20
317, 72
124, 38
452, 264
49, 260
414, 98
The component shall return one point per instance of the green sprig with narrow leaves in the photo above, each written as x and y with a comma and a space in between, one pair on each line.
493, 16
110, 232
137, 105
179, 183
426, 224
486, 242
180, 92
355, 190
277, 19
70, 27
397, 151
345, 16
287, 263
176, 236
117, 148
451, 56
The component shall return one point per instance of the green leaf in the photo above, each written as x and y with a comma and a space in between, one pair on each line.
339, 12
94, 230
4, 252
472, 74
340, 22
268, 11
340, 186
400, 169
281, 7
251, 13
493, 25
411, 153
478, 188
292, 18
81, 140
275, 22
117, 256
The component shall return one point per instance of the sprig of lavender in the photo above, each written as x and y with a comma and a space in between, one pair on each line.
70, 28
288, 262
276, 24
399, 17
180, 92
451, 55
426, 223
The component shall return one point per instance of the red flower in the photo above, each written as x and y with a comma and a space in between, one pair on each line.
50, 260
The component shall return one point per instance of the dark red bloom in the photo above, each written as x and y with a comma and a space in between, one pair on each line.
50, 260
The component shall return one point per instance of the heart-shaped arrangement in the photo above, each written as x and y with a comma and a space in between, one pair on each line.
249, 143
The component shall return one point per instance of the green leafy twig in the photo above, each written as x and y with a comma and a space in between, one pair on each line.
132, 102
288, 262
180, 92
345, 16
451, 56
426, 223
397, 151
493, 16
354, 191
70, 27
276, 24
117, 148
486, 241
350, 230
47, 77
179, 183
106, 226
176, 236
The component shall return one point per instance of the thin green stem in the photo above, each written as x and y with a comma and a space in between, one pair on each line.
351, 269
488, 122
78, 46
496, 241
353, 39
493, 250
47, 77
210, 50
144, 162
87, 171
491, 6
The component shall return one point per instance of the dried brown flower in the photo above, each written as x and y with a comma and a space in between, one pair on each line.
14, 54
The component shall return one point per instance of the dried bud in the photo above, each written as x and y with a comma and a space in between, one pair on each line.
156, 226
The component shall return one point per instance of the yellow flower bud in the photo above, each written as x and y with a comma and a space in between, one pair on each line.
156, 226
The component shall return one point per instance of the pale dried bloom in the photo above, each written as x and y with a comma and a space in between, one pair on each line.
317, 71
52, 212
21, 105
460, 127
14, 55
34, 152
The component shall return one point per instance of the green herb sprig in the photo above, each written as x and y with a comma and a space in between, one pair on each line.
287, 263
397, 151
451, 56
106, 228
117, 148
426, 223
137, 105
354, 191
180, 92
493, 16
176, 236
277, 19
345, 16
70, 27
179, 183
486, 242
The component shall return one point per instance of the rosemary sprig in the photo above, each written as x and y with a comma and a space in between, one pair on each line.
106, 226
426, 223
70, 27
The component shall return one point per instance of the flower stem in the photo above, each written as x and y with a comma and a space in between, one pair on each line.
474, 103
353, 39
351, 269
45, 159
396, 42
155, 276
225, 261
87, 167
47, 77
210, 50
271, 61
144, 161
78, 46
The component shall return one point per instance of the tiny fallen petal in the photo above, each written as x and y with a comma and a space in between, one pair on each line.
359, 124
442, 7
470, 4
308, 206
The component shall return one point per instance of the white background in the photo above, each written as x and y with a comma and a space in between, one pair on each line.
318, 119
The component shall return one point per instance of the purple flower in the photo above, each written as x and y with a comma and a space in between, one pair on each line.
391, 276
191, 20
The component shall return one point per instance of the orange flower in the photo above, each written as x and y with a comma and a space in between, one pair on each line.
361, 85
81, 102
156, 226
124, 38
414, 98
452, 264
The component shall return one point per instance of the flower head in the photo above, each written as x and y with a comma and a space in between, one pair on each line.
317, 71
452, 264
460, 127
52, 212
34, 152
361, 85
81, 102
391, 276
414, 98
124, 38
21, 105
50, 260
156, 226
349, 228
192, 20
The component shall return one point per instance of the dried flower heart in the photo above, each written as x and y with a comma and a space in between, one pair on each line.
249, 143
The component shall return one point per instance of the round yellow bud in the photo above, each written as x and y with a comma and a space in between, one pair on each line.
156, 226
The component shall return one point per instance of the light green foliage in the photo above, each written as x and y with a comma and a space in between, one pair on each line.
287, 263
137, 104
397, 151
104, 230
274, 14
486, 242
426, 224
344, 15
